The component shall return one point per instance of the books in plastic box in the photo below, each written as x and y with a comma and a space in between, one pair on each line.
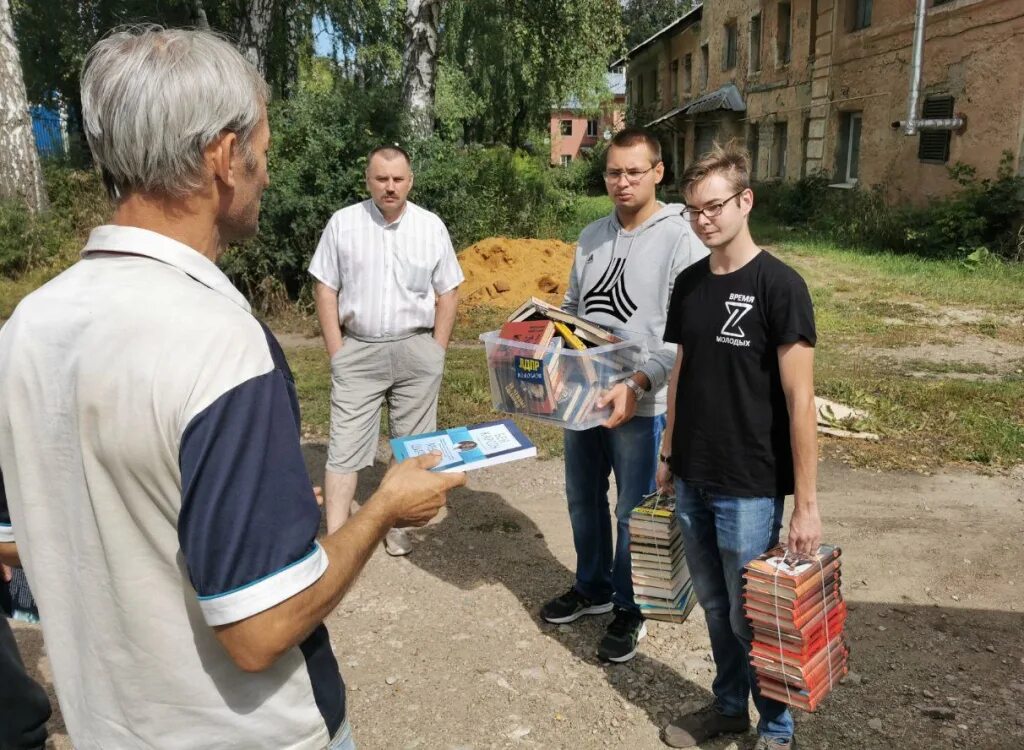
467, 448
661, 580
797, 614
554, 382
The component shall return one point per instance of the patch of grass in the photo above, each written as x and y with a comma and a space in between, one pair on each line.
312, 373
927, 423
588, 208
995, 286
941, 368
472, 321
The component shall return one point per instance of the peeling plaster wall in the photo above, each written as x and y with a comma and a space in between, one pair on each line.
974, 51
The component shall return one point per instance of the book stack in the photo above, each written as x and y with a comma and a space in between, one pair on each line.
797, 613
661, 581
530, 375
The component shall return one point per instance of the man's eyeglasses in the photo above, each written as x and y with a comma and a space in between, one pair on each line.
714, 210
632, 175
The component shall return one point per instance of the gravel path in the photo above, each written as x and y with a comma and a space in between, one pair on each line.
443, 650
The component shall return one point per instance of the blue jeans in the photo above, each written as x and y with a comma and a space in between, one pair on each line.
343, 739
631, 452
721, 534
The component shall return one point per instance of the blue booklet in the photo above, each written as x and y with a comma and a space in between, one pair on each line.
467, 448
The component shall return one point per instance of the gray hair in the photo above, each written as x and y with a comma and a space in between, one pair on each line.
153, 99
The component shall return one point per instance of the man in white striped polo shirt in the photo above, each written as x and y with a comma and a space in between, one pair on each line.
386, 291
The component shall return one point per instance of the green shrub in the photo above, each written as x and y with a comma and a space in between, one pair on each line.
319, 142
77, 203
486, 191
986, 213
320, 139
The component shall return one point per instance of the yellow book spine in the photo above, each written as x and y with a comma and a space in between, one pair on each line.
570, 338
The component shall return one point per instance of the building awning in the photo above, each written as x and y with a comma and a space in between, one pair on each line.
667, 116
727, 97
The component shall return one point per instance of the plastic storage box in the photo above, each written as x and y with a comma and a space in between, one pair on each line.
557, 384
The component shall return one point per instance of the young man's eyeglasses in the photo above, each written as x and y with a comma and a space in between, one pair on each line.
632, 175
714, 210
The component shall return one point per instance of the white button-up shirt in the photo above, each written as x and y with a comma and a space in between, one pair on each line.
387, 275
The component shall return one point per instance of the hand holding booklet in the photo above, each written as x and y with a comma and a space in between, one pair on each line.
467, 448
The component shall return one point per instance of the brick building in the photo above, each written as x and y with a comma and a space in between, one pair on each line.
575, 130
816, 85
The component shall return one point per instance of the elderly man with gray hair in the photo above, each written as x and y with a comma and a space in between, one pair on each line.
155, 490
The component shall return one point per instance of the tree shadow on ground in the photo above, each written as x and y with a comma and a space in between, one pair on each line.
909, 659
483, 540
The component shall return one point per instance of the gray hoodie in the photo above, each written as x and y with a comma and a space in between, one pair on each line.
622, 281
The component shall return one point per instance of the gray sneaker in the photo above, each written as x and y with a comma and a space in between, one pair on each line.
702, 725
397, 543
774, 743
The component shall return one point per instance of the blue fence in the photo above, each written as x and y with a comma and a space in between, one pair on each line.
50, 132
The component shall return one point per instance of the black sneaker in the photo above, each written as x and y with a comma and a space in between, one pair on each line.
619, 642
571, 606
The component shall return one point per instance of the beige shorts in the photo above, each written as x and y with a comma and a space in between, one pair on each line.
364, 374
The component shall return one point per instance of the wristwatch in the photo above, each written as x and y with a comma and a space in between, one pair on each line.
634, 386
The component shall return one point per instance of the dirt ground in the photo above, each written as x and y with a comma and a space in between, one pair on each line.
443, 650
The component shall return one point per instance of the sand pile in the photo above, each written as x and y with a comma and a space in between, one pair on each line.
505, 272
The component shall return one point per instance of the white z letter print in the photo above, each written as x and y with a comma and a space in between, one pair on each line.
736, 311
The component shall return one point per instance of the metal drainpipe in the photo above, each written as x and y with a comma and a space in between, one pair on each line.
912, 124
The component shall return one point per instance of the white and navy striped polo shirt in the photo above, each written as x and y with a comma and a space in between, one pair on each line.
149, 443
388, 275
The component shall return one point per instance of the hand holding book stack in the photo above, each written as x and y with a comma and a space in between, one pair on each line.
797, 613
661, 581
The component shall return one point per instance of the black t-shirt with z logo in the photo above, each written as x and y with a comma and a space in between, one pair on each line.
731, 433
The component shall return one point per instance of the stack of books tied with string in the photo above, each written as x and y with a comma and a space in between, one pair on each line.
796, 609
661, 581
551, 365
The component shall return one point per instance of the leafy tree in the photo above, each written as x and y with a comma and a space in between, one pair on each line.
521, 57
643, 18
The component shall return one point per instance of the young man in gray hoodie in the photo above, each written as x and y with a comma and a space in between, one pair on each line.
621, 279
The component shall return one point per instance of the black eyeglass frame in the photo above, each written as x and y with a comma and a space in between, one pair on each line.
692, 214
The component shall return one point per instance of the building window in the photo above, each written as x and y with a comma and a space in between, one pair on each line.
688, 73
730, 49
860, 14
566, 160
755, 43
812, 43
704, 63
848, 166
940, 2
783, 39
655, 93
565, 127
592, 127
674, 80
933, 146
779, 149
754, 147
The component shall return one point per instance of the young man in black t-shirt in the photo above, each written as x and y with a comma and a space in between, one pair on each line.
741, 431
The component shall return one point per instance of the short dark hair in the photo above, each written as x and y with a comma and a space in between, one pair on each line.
633, 136
390, 151
732, 161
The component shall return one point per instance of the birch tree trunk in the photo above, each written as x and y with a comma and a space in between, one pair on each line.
256, 34
419, 63
20, 174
